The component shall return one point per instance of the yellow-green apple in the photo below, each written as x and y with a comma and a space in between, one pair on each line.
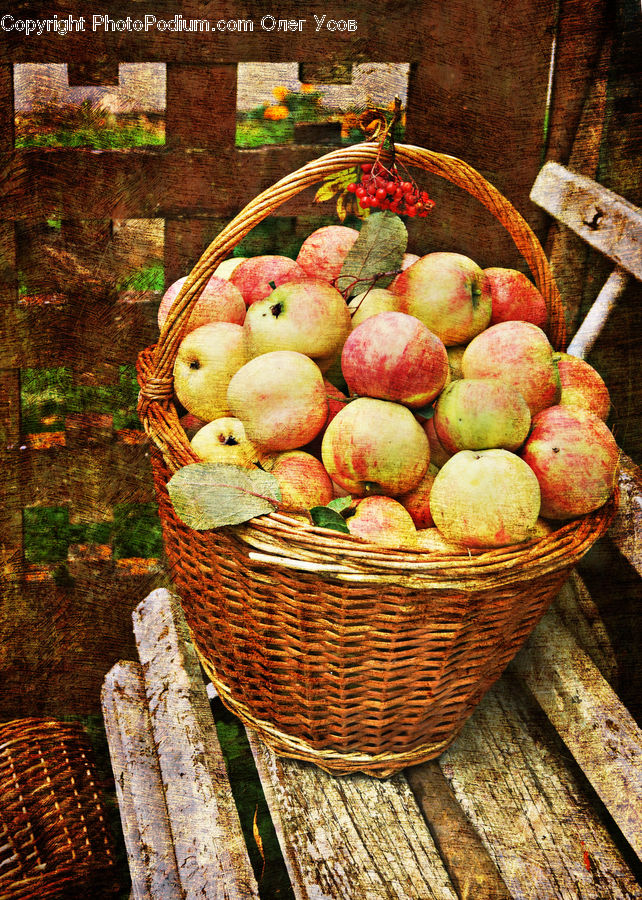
224, 441
582, 386
303, 480
257, 276
485, 498
383, 521
518, 353
225, 268
323, 252
336, 401
479, 414
206, 360
281, 399
448, 292
219, 301
515, 297
393, 356
417, 501
438, 453
369, 303
375, 447
575, 458
407, 260
307, 315
432, 540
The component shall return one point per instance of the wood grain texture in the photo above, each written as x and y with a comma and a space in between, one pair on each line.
141, 800
528, 806
351, 837
587, 714
208, 842
201, 106
626, 529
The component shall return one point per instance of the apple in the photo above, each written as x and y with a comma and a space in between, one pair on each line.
219, 301
336, 401
575, 458
206, 360
432, 539
323, 252
407, 260
307, 315
224, 441
479, 414
281, 399
438, 453
417, 501
375, 447
383, 521
485, 498
582, 386
191, 424
515, 297
518, 353
448, 292
369, 303
225, 268
255, 276
393, 356
303, 481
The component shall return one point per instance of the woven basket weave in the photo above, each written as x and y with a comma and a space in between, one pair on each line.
54, 838
339, 652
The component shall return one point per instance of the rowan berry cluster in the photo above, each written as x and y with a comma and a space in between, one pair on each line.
382, 188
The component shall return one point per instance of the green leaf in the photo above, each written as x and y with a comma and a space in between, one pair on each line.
379, 249
209, 495
426, 412
326, 192
325, 517
340, 503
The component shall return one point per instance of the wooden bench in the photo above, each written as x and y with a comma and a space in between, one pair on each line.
539, 797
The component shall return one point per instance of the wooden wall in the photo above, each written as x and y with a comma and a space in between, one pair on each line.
479, 89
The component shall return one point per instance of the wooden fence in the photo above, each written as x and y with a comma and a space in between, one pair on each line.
479, 87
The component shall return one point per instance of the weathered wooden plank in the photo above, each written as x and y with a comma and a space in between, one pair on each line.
145, 183
528, 805
595, 321
6, 107
587, 714
185, 241
602, 218
201, 106
353, 836
139, 789
369, 43
578, 611
626, 528
210, 850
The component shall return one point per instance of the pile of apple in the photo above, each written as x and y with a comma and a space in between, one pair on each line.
460, 425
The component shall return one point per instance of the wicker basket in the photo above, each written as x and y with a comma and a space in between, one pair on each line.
351, 656
54, 836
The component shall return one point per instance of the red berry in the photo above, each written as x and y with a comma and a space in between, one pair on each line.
366, 167
406, 187
364, 202
352, 188
381, 193
360, 191
374, 202
411, 210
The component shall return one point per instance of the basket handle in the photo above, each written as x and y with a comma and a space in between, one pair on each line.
157, 387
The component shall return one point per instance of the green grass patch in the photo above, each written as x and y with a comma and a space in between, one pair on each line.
151, 278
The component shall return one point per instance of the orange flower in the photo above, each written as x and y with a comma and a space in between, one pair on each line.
275, 113
307, 88
280, 93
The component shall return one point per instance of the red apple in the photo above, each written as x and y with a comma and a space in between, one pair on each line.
518, 353
303, 481
393, 356
438, 453
417, 501
582, 386
575, 458
515, 297
220, 301
375, 446
382, 520
254, 276
448, 293
323, 252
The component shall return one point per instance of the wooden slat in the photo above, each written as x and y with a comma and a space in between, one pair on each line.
589, 717
201, 106
349, 837
528, 805
626, 528
602, 218
139, 789
185, 241
208, 842
144, 183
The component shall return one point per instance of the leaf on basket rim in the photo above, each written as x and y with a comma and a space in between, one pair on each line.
325, 517
340, 503
210, 495
375, 256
